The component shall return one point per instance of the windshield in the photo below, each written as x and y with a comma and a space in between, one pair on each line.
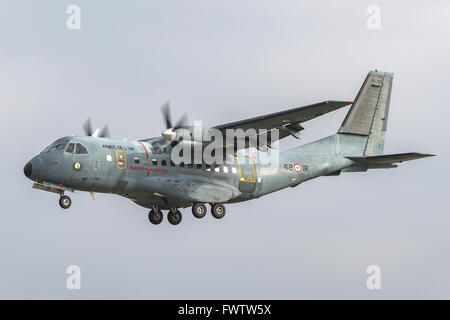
56, 146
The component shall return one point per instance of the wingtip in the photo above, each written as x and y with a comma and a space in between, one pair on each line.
346, 103
426, 155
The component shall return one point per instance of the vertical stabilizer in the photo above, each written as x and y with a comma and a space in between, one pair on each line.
368, 115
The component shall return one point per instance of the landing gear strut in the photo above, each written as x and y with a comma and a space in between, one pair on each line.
174, 216
65, 202
218, 210
155, 216
199, 210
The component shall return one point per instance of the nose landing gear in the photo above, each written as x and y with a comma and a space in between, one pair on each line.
65, 202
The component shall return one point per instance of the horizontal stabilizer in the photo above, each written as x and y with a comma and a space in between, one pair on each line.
388, 160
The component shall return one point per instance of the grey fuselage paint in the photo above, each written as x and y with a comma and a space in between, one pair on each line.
136, 170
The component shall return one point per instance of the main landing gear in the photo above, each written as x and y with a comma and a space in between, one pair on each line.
217, 210
174, 215
199, 210
65, 202
155, 216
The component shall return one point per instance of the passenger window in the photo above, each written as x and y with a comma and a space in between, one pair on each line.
70, 148
172, 164
190, 166
208, 167
182, 164
216, 169
199, 166
225, 169
81, 149
154, 162
234, 170
136, 160
163, 163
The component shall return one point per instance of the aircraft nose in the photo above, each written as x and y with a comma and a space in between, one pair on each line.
28, 169
32, 168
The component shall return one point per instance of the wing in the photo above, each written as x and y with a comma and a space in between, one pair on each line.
288, 121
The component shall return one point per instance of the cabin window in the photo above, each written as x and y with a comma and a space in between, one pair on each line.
80, 149
70, 147
199, 166
190, 166
164, 163
136, 160
172, 164
216, 168
182, 164
154, 162
225, 169
208, 167
234, 170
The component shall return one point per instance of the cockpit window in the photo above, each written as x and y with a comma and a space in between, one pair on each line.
56, 147
81, 149
70, 148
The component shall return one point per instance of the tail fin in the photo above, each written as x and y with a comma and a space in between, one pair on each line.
361, 135
368, 115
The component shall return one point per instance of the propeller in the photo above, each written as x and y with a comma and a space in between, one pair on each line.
170, 133
87, 126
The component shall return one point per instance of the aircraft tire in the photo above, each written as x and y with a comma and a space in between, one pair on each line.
155, 217
65, 202
218, 211
174, 217
199, 210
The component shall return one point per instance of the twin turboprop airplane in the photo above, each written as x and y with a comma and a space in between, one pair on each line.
145, 172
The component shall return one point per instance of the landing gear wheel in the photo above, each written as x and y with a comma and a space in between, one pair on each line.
65, 202
199, 210
218, 211
174, 217
155, 217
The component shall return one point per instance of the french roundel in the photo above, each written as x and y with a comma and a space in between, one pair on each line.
298, 167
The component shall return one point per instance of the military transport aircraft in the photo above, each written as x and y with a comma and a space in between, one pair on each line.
144, 171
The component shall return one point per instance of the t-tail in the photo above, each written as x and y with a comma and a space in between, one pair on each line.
362, 133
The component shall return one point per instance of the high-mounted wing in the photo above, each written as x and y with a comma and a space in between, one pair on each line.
288, 121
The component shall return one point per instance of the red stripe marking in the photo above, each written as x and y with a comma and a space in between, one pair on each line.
148, 160
60, 187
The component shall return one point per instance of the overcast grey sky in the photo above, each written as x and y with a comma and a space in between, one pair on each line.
222, 61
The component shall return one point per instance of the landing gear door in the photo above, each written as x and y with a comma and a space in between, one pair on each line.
247, 174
